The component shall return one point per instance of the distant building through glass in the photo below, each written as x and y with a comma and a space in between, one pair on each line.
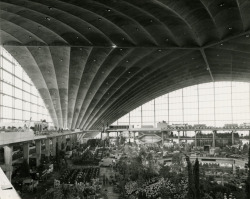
19, 98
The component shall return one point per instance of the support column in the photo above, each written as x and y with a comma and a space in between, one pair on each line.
59, 141
64, 142
179, 138
26, 152
234, 167
195, 141
47, 147
233, 137
134, 137
70, 142
54, 146
38, 152
8, 161
75, 138
214, 138
162, 138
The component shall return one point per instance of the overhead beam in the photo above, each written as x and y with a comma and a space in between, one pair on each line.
207, 64
226, 39
98, 46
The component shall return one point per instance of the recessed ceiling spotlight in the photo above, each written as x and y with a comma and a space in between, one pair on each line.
127, 61
30, 37
221, 44
61, 60
159, 50
47, 18
123, 38
120, 49
50, 8
94, 60
114, 46
77, 37
89, 28
166, 39
222, 4
99, 19
108, 10
230, 28
39, 48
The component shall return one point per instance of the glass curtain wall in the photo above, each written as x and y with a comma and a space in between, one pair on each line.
19, 99
213, 104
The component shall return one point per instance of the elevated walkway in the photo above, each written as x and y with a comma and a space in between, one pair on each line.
7, 138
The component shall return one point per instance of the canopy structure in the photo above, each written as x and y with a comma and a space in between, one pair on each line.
93, 61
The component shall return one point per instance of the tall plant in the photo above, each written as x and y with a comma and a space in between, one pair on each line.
248, 177
196, 172
191, 187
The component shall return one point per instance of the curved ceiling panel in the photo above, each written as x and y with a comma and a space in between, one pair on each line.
94, 61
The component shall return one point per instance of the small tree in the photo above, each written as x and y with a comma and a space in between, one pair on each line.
197, 178
191, 188
25, 169
248, 177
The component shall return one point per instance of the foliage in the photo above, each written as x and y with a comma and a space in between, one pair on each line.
248, 177
24, 169
191, 187
196, 173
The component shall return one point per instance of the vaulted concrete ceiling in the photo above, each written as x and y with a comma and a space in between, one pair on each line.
95, 60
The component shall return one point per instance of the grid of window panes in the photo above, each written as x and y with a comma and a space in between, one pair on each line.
19, 99
213, 104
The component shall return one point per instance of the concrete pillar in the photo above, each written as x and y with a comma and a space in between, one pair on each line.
214, 138
64, 139
75, 138
64, 142
70, 142
162, 138
179, 138
26, 152
195, 140
59, 141
8, 161
134, 136
54, 146
38, 152
234, 168
233, 137
47, 147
